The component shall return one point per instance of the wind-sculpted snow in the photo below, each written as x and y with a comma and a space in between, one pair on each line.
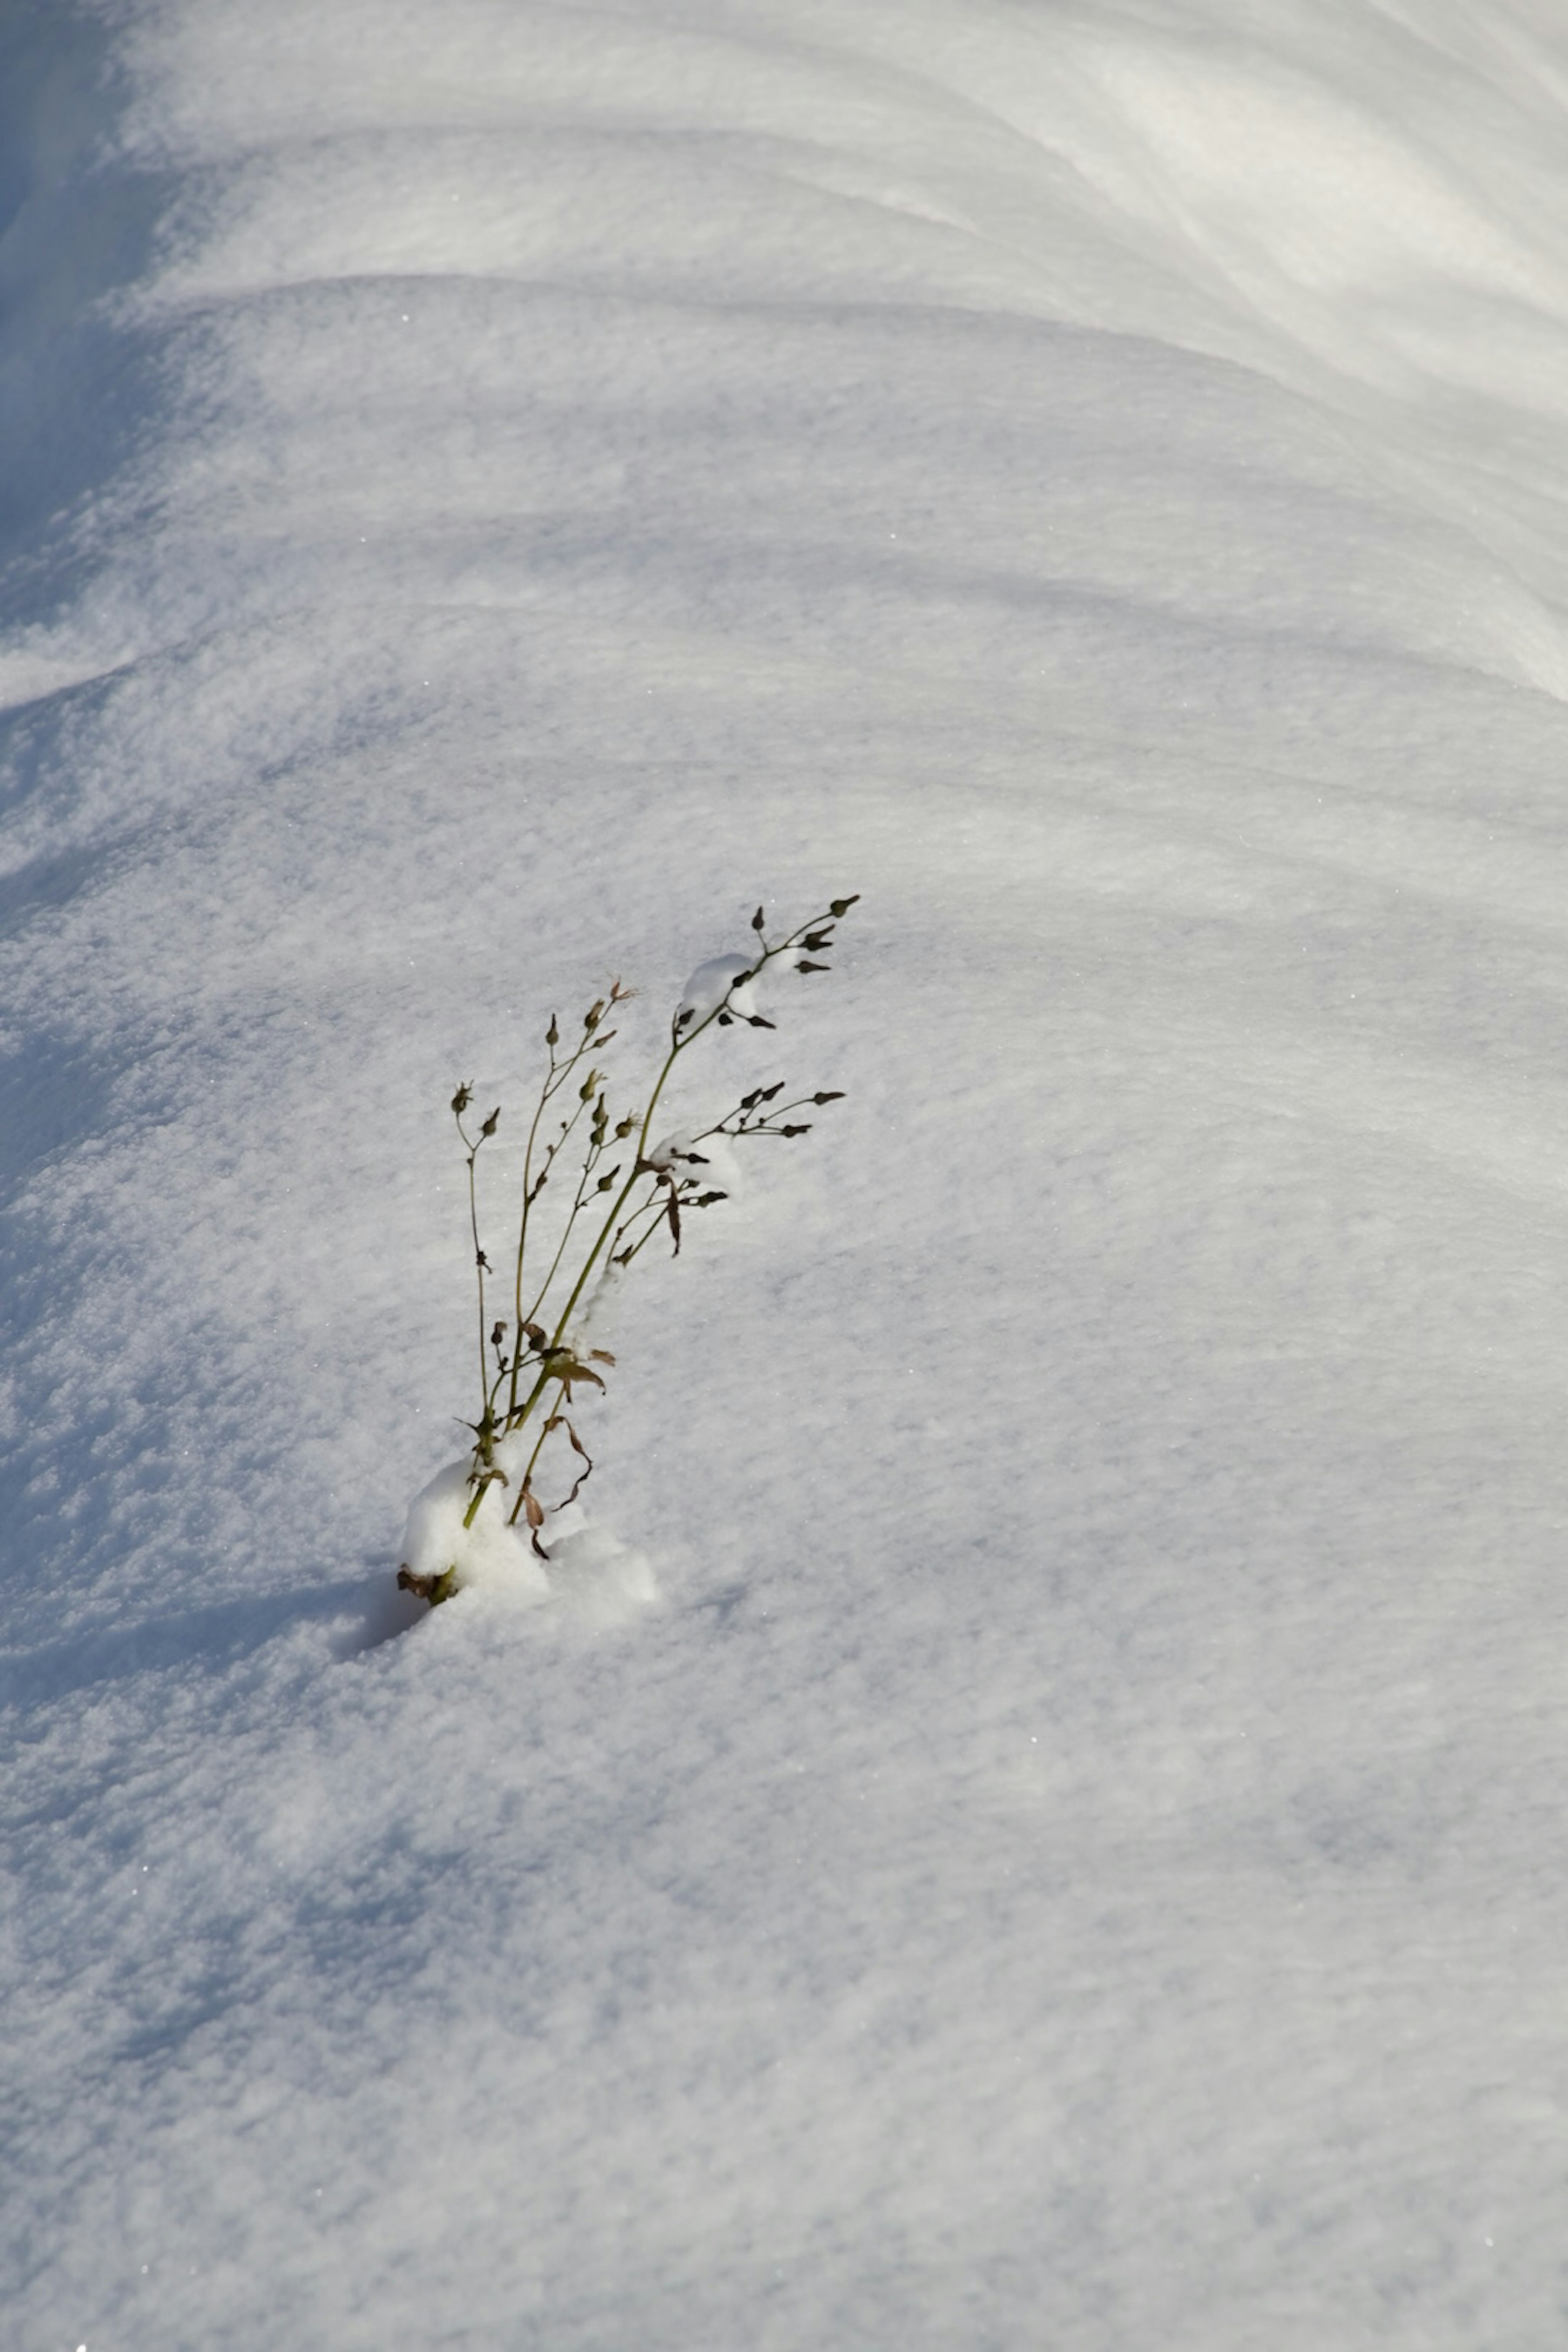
1023, 1813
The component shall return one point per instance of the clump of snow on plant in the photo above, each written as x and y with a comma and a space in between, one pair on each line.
709, 985
490, 1553
713, 1154
591, 1574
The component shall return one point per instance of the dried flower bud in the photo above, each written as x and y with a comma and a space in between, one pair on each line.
796, 1131
757, 920
832, 1094
803, 965
462, 1099
553, 1034
842, 906
489, 1126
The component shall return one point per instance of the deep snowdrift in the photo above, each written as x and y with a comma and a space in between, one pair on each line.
1070, 1853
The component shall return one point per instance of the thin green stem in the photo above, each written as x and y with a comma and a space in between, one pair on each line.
578, 1206
544, 1094
555, 1078
522, 1489
480, 1273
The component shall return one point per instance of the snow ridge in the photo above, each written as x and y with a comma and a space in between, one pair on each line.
1025, 1816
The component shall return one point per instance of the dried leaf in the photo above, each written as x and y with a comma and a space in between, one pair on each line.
586, 1472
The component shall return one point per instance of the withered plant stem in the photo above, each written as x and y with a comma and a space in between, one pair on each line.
552, 1361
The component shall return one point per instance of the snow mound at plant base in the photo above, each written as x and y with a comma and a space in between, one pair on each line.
591, 1575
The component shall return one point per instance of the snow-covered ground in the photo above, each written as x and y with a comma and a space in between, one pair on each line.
1039, 1822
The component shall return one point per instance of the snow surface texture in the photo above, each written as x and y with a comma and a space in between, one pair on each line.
1074, 1853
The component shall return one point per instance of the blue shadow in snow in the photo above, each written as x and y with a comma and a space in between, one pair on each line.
366, 1609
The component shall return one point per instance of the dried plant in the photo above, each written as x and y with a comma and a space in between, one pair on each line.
596, 1190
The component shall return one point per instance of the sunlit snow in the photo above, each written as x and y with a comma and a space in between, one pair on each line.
1023, 1810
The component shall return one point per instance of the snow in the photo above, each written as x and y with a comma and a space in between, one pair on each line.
1023, 1808
492, 1551
719, 983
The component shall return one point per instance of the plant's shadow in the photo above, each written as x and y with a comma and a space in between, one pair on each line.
367, 1609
